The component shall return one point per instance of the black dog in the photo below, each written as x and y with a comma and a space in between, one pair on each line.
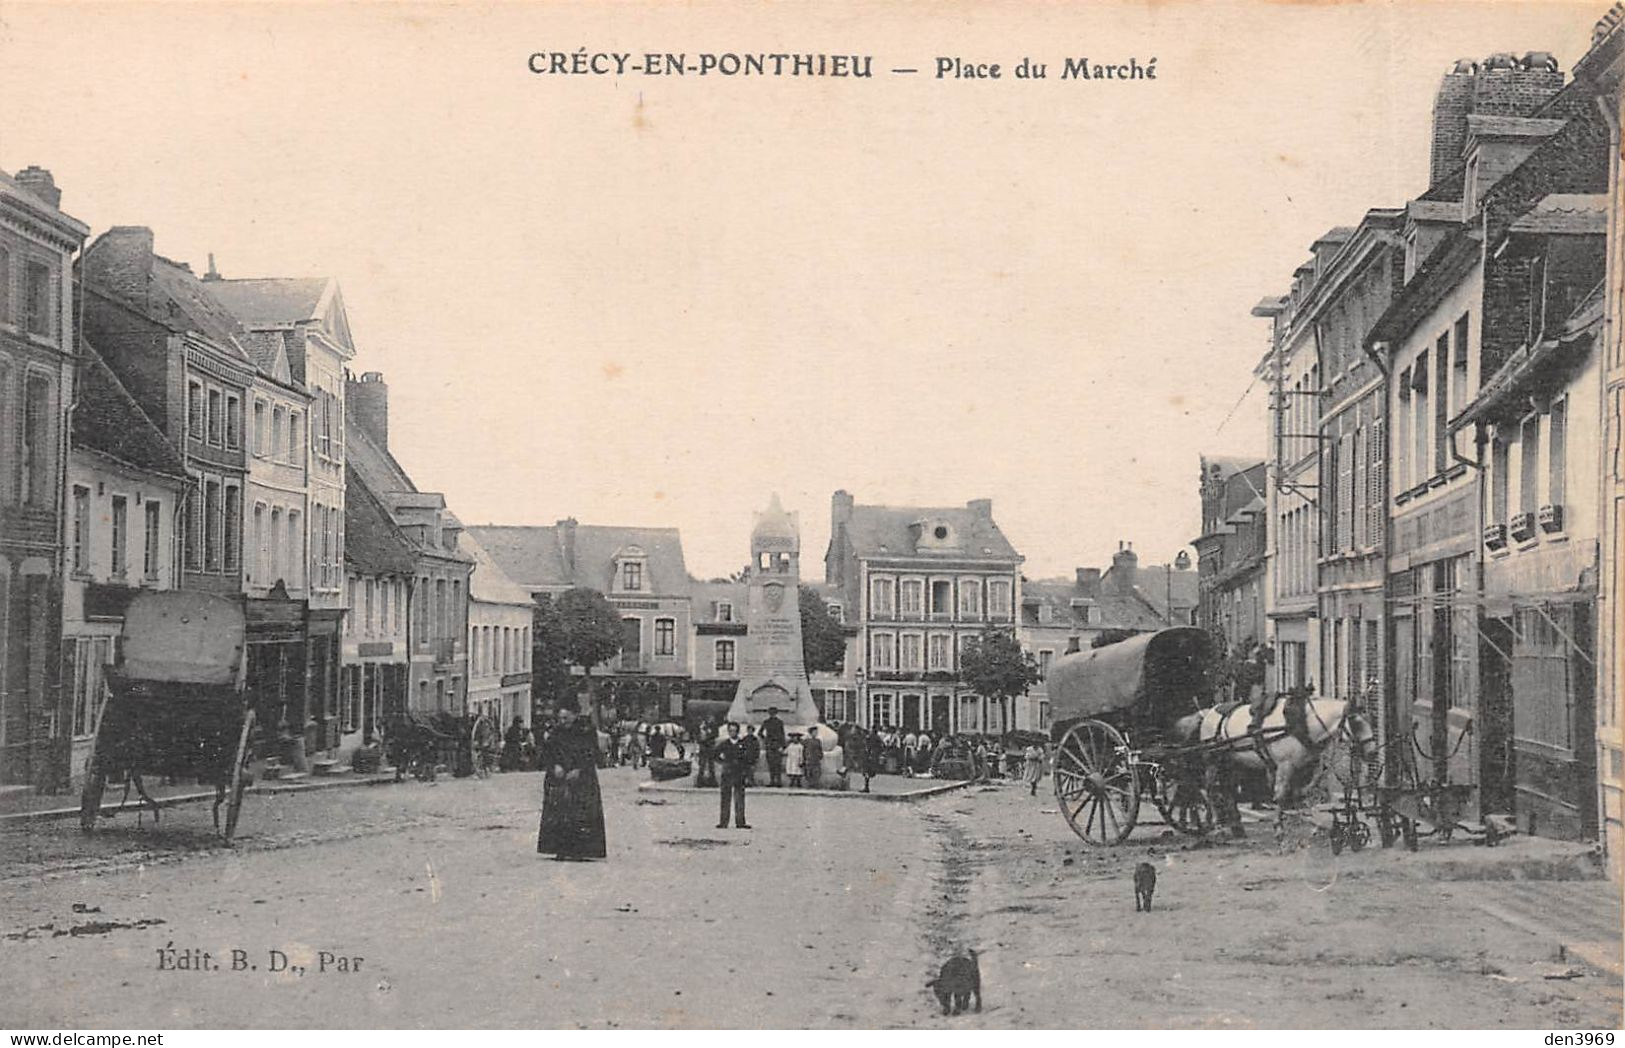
959, 978
1145, 885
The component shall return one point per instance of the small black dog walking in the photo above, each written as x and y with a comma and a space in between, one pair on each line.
959, 978
1145, 885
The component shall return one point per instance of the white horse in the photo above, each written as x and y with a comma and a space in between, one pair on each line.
1291, 756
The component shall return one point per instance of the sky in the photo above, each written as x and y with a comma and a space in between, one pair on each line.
656, 301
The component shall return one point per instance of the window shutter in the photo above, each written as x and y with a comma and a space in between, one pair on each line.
1357, 489
1376, 493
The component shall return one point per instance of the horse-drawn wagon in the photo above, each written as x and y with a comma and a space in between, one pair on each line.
1139, 718
176, 707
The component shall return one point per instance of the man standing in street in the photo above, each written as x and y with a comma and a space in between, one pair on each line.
734, 756
773, 743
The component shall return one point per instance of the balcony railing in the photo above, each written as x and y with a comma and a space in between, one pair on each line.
1495, 536
1523, 527
1551, 518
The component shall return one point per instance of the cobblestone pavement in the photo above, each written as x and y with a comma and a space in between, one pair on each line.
825, 915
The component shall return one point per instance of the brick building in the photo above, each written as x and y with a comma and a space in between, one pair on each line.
37, 360
1231, 551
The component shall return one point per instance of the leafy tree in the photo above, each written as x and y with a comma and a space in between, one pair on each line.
591, 629
823, 642
994, 665
550, 667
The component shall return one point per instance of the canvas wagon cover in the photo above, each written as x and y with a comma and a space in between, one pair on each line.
1156, 668
183, 638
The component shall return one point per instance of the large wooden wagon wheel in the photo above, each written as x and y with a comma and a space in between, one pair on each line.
1095, 782
1183, 800
231, 792
485, 745
90, 797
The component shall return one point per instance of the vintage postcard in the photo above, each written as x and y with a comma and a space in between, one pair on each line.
842, 515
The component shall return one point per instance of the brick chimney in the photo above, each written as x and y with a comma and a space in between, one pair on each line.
367, 399
1501, 85
39, 182
1125, 570
567, 545
121, 262
840, 511
1089, 582
981, 508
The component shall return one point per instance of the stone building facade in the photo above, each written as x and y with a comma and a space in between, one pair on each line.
923, 581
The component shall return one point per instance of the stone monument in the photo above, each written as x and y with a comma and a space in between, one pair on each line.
772, 673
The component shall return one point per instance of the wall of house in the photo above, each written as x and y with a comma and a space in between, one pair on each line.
120, 536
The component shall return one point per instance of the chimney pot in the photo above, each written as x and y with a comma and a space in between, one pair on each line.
38, 181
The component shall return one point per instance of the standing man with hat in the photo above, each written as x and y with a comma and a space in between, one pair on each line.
735, 758
773, 743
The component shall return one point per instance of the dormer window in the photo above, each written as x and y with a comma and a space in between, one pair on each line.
725, 611
632, 575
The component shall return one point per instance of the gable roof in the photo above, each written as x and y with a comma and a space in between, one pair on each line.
108, 421
884, 531
289, 303
272, 301
374, 463
373, 545
172, 295
1117, 611
489, 584
534, 556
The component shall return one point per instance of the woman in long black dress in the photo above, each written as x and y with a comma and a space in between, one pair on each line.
572, 807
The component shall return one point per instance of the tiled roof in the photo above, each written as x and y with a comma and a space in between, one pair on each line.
490, 583
703, 597
1576, 213
273, 300
1117, 611
192, 299
373, 545
375, 464
533, 556
1155, 585
108, 420
884, 530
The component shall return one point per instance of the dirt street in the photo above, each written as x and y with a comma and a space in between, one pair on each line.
428, 906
